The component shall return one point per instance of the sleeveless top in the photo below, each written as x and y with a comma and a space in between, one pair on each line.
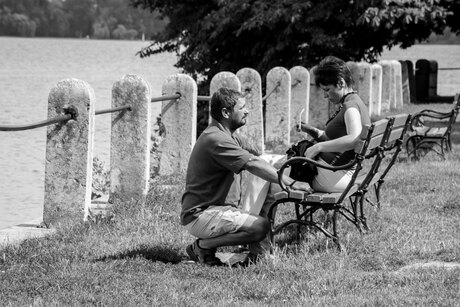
336, 127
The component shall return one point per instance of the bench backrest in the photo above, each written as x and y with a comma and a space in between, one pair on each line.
371, 137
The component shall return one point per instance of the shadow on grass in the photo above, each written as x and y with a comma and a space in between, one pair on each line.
152, 253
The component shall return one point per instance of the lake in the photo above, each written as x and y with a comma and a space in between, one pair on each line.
30, 67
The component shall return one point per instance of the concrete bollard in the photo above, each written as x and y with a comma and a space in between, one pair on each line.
277, 114
130, 140
355, 74
319, 106
251, 86
364, 83
405, 79
179, 118
387, 85
69, 153
376, 102
398, 91
300, 100
433, 79
422, 79
411, 76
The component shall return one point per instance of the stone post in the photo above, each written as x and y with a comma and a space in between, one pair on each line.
376, 103
422, 79
319, 106
130, 140
411, 75
387, 88
433, 79
398, 91
277, 115
355, 73
69, 153
405, 82
179, 118
365, 84
251, 86
300, 99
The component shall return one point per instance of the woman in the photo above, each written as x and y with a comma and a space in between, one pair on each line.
335, 144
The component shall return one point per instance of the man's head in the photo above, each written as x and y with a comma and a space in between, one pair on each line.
229, 106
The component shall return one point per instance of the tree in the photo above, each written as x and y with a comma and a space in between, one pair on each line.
226, 35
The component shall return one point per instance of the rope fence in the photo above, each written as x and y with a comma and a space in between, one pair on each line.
47, 122
69, 116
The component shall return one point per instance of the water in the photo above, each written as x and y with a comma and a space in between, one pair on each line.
29, 68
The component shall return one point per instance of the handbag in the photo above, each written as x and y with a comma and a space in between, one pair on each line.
301, 171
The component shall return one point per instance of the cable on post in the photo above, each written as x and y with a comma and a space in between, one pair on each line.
47, 122
117, 109
271, 92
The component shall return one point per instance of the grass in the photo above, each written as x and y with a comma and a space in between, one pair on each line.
136, 259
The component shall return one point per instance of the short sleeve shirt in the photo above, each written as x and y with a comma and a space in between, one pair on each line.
215, 159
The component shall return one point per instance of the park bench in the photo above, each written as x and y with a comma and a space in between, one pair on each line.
390, 149
310, 209
431, 130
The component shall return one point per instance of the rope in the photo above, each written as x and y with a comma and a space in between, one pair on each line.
37, 125
121, 108
175, 96
268, 95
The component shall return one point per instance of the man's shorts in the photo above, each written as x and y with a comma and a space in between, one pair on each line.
219, 220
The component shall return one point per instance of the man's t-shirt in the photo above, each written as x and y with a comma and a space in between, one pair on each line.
215, 159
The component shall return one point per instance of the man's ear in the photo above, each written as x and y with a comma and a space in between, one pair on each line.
225, 113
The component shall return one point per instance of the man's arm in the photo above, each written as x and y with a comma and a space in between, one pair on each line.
266, 171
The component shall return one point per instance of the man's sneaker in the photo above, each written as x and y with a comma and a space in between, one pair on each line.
203, 256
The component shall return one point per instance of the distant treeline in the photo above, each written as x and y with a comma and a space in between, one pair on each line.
448, 38
101, 19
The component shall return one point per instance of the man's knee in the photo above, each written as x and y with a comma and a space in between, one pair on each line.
260, 228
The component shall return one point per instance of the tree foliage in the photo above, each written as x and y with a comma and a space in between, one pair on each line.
226, 35
77, 18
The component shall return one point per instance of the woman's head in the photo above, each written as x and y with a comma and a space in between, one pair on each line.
334, 77
333, 71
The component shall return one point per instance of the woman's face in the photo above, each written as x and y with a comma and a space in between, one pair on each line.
333, 93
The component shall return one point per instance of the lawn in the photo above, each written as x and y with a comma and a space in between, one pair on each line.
137, 258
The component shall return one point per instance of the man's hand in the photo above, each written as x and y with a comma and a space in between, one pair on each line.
302, 186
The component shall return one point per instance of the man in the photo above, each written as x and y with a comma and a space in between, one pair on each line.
208, 211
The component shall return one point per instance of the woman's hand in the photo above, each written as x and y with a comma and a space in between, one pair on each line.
302, 186
313, 151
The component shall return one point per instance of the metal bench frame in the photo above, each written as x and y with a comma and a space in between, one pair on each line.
429, 131
368, 148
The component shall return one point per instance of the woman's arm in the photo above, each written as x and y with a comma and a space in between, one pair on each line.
344, 143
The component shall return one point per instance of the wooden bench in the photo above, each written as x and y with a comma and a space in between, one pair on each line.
431, 130
368, 154
390, 149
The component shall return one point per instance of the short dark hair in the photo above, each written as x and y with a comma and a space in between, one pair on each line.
330, 70
223, 98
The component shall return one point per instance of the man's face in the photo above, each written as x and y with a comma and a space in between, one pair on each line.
239, 114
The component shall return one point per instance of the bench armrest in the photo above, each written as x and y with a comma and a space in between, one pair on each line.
311, 161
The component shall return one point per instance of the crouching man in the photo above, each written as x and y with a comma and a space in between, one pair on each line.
207, 211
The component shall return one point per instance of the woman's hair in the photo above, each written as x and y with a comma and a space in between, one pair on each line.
223, 98
330, 70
